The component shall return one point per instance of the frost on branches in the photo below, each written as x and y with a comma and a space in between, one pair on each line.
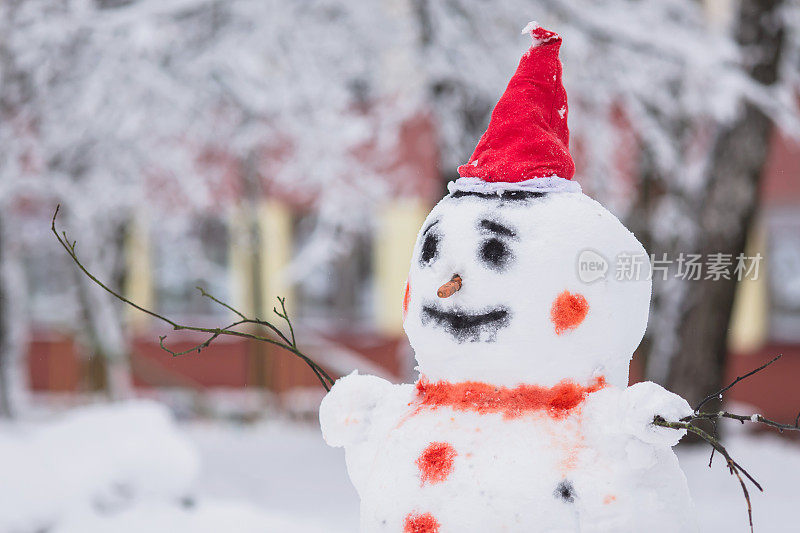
159, 110
521, 419
672, 107
113, 107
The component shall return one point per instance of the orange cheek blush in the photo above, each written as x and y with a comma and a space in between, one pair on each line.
568, 311
406, 299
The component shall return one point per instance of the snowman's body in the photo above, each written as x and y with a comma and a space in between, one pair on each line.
522, 420
575, 472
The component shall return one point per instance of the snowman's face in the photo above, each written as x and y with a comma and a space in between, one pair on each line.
522, 314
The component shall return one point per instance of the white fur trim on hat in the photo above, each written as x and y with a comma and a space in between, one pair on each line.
548, 184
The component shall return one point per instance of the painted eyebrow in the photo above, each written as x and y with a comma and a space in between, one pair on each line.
432, 224
497, 228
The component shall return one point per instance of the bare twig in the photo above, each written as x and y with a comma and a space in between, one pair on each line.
713, 450
733, 467
687, 423
734, 382
255, 321
284, 342
285, 316
743, 418
220, 302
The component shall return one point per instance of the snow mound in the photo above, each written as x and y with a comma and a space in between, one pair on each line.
205, 517
94, 459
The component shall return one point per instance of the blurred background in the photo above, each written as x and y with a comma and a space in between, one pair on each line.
265, 148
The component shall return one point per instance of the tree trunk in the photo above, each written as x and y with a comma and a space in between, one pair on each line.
5, 355
698, 367
102, 331
692, 347
13, 375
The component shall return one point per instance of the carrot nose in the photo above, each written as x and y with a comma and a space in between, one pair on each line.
450, 288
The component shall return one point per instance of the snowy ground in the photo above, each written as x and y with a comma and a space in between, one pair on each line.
774, 462
289, 468
127, 469
282, 468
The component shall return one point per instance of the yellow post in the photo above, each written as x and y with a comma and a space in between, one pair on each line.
240, 256
261, 238
275, 223
396, 231
750, 316
139, 287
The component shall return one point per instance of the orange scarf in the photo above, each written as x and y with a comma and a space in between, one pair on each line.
485, 398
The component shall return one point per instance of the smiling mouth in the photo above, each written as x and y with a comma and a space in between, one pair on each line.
464, 326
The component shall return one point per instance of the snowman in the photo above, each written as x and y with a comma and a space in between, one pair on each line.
521, 420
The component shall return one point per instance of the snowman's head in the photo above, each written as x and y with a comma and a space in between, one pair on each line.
524, 313
514, 230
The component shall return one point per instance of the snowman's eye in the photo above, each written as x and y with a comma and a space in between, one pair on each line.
495, 253
430, 248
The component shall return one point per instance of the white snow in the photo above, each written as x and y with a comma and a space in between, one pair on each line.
720, 505
204, 517
530, 27
533, 26
288, 469
127, 467
643, 401
509, 471
281, 477
549, 234
94, 459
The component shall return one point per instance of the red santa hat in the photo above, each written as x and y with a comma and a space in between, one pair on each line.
526, 146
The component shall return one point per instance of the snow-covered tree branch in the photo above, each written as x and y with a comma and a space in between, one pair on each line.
164, 108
